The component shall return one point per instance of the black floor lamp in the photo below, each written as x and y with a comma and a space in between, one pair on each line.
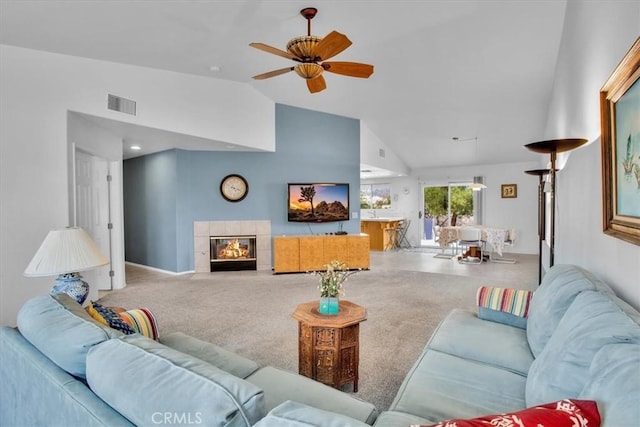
541, 174
553, 147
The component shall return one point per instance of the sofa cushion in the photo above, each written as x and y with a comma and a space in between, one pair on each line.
399, 419
147, 381
217, 356
280, 386
614, 382
504, 305
559, 287
592, 321
565, 413
463, 334
442, 386
62, 330
295, 414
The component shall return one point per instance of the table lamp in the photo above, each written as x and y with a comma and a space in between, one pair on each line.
65, 252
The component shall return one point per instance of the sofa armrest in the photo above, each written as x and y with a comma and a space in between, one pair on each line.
295, 414
280, 386
226, 360
35, 391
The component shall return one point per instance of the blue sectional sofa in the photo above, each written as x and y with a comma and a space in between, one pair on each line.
60, 367
580, 341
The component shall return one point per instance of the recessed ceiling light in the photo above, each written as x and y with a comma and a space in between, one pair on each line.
135, 147
214, 68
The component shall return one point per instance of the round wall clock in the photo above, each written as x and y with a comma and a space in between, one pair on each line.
234, 187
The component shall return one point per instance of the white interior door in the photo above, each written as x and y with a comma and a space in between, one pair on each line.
93, 211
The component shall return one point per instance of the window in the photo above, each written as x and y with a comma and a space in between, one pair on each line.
375, 196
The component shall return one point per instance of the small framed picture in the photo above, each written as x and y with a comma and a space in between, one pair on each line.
509, 191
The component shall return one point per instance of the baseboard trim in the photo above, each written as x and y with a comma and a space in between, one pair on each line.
159, 270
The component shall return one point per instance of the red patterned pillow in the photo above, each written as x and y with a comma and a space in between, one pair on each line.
566, 412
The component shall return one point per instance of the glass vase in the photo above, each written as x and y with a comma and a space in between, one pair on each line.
329, 305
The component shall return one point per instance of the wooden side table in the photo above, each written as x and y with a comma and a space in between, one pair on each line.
329, 346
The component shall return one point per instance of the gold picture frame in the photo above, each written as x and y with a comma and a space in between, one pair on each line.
509, 191
620, 139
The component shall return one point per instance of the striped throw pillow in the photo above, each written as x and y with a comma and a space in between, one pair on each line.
504, 305
143, 321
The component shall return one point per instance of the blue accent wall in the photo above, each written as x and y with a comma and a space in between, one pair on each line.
150, 189
166, 192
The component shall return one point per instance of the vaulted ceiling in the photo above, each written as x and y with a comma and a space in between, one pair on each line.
467, 68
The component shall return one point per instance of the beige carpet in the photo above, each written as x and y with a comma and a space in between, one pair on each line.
250, 313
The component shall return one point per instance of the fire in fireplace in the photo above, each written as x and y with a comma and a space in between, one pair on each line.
233, 253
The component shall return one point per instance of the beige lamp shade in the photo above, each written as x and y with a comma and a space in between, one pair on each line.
65, 250
476, 186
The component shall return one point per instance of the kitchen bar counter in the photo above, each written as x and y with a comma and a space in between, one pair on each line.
375, 228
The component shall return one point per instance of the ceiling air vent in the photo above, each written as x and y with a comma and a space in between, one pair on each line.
122, 105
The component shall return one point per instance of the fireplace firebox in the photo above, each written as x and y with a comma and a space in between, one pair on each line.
233, 253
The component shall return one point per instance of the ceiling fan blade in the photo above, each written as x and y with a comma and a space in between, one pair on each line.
331, 45
316, 85
274, 50
273, 73
352, 69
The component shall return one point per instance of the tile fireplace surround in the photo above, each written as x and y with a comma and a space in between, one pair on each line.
202, 230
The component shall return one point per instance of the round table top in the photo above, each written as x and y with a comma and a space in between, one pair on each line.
349, 314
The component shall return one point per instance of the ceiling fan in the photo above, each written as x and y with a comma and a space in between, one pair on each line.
311, 52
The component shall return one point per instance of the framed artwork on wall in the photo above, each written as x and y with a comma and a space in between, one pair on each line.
509, 191
620, 138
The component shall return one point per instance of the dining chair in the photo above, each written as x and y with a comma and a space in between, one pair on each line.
470, 242
448, 246
509, 240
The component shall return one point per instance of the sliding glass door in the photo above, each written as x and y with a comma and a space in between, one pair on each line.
448, 205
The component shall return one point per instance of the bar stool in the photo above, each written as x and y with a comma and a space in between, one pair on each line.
392, 238
403, 242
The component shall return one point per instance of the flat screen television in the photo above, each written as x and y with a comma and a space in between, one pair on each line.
318, 202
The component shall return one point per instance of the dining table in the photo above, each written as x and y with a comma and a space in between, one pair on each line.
494, 237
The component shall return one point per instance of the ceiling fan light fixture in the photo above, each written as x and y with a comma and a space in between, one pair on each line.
308, 70
311, 52
303, 47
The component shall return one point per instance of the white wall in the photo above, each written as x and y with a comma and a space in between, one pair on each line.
596, 36
39, 89
370, 146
